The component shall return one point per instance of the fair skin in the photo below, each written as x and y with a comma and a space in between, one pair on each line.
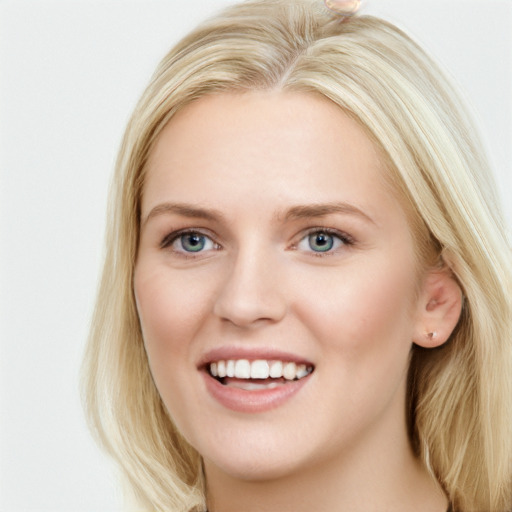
268, 233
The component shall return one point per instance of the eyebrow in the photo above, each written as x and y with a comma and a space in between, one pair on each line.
185, 210
323, 209
294, 213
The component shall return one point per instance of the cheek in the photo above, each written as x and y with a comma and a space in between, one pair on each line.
170, 307
361, 314
363, 325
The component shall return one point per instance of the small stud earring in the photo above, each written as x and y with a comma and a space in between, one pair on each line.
432, 335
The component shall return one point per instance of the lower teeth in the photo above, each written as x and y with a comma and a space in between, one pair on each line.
253, 386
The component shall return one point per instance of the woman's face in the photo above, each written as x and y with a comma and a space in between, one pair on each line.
272, 250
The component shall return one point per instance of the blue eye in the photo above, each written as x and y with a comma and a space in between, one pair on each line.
192, 242
322, 241
188, 242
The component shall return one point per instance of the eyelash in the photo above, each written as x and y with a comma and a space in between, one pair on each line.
173, 237
344, 239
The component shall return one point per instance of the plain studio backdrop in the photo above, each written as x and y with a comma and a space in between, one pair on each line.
70, 74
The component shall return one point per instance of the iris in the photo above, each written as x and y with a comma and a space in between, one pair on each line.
193, 242
321, 241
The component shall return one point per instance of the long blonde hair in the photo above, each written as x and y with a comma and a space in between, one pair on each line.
459, 395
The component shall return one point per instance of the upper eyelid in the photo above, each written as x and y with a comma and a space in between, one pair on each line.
343, 235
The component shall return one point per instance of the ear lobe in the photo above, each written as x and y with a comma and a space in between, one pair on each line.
440, 306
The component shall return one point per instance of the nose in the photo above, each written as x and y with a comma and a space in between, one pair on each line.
251, 293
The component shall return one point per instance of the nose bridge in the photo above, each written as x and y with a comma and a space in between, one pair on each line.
250, 291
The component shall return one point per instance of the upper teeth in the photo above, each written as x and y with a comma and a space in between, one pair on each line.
259, 369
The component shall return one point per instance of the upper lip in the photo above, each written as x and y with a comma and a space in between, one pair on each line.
251, 353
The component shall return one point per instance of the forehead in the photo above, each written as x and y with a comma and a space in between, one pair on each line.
263, 143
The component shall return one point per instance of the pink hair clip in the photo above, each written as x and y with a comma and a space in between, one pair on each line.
344, 8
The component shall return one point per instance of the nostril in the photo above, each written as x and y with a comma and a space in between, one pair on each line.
250, 295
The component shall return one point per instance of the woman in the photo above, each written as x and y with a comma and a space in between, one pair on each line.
306, 299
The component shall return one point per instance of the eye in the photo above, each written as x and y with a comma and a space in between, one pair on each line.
323, 241
189, 242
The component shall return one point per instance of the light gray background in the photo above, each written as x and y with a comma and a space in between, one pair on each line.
70, 73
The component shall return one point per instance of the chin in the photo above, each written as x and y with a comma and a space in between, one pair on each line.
250, 453
253, 467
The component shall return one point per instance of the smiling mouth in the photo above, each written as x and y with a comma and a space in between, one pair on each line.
258, 374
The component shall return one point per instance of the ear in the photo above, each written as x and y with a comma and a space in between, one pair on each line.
439, 308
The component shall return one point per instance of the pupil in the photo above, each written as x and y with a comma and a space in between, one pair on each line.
321, 242
193, 243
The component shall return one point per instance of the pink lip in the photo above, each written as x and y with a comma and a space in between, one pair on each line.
254, 401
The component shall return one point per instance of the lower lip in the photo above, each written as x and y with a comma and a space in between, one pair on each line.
254, 401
